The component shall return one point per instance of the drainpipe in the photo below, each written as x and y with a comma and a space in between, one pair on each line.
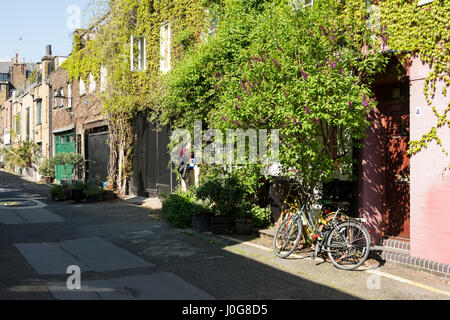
50, 125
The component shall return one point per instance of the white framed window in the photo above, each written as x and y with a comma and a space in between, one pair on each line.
103, 78
424, 2
165, 43
92, 84
212, 22
299, 4
138, 59
82, 87
39, 112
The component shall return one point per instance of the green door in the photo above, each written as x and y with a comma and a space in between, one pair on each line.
64, 143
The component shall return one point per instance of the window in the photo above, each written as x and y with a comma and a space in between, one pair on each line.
299, 4
138, 54
212, 21
39, 112
103, 78
165, 47
82, 87
423, 2
92, 84
17, 122
27, 125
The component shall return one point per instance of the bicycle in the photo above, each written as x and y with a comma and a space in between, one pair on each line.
345, 241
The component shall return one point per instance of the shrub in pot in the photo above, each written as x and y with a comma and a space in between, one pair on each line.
201, 220
47, 170
58, 193
179, 207
92, 192
77, 191
227, 198
107, 195
244, 221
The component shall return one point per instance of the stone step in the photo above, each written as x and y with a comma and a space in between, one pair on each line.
396, 244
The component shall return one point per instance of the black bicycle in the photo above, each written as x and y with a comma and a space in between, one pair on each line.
346, 241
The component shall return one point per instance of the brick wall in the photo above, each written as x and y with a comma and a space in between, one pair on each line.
18, 74
84, 109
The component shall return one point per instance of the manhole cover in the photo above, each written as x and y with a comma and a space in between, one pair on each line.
8, 190
18, 203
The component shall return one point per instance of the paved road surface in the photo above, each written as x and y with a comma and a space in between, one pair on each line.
125, 252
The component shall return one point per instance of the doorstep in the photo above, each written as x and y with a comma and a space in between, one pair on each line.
151, 203
396, 252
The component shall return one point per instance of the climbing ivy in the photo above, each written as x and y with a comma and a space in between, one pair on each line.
422, 31
130, 92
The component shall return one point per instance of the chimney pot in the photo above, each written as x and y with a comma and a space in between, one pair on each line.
48, 50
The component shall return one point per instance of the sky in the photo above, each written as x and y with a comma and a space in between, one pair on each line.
30, 25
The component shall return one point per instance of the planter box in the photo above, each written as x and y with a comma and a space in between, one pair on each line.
244, 226
91, 199
201, 222
221, 225
107, 195
77, 195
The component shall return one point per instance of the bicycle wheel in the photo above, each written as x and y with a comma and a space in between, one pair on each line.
348, 245
287, 236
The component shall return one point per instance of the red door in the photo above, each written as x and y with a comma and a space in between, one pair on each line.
397, 174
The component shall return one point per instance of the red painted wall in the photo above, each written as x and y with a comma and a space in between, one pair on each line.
430, 190
370, 177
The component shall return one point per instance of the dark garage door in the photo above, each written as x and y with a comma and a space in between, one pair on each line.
151, 171
97, 156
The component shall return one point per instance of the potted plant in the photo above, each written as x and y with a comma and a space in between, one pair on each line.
69, 162
58, 193
77, 191
244, 221
226, 195
47, 170
201, 219
92, 192
107, 195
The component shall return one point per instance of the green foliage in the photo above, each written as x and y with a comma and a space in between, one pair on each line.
300, 71
58, 192
47, 168
130, 92
92, 190
422, 31
179, 207
226, 194
77, 186
69, 160
20, 156
261, 216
